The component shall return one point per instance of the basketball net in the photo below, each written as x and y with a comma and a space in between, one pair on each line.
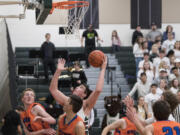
75, 14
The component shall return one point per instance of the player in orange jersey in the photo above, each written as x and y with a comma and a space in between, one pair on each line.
162, 126
80, 91
122, 126
70, 123
35, 119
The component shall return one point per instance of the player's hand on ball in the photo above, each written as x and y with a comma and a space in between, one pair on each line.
103, 66
61, 63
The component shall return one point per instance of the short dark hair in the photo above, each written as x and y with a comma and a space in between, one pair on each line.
154, 85
142, 74
171, 98
76, 103
27, 89
174, 68
146, 54
161, 110
161, 51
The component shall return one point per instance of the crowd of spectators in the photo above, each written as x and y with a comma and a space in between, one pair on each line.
157, 57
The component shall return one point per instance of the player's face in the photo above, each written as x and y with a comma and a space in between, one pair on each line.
28, 97
80, 91
67, 106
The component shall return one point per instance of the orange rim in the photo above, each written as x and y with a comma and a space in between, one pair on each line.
69, 5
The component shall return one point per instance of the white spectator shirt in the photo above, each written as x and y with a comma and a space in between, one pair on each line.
156, 63
150, 99
141, 63
149, 74
137, 51
174, 90
142, 89
177, 53
159, 91
168, 45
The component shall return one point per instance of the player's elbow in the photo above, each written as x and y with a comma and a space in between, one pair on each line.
52, 121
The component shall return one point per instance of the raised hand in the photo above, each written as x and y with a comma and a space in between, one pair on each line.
129, 101
61, 63
103, 66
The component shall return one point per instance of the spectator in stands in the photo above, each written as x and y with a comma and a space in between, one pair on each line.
172, 62
137, 33
162, 87
116, 42
47, 53
177, 49
151, 98
162, 75
12, 122
138, 52
78, 76
149, 72
163, 65
154, 53
176, 112
158, 60
169, 43
151, 36
145, 46
142, 87
90, 36
169, 29
174, 86
142, 112
146, 59
175, 74
177, 64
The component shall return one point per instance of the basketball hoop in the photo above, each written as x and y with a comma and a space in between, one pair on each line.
76, 12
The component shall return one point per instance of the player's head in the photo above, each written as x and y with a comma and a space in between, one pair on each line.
73, 104
161, 110
171, 98
48, 36
80, 91
28, 96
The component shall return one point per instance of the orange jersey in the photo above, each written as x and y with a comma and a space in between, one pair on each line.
27, 118
166, 128
129, 130
68, 129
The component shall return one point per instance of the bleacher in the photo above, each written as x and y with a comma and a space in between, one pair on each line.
123, 61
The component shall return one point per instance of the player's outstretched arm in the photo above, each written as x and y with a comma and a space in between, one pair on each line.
42, 115
80, 129
91, 101
57, 94
117, 124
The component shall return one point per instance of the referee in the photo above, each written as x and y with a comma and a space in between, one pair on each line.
47, 54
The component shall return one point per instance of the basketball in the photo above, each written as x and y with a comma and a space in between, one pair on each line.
96, 58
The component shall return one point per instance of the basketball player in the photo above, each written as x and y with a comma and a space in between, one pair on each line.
70, 123
35, 119
80, 91
161, 110
122, 126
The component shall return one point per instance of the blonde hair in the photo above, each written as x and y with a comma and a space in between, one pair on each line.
27, 89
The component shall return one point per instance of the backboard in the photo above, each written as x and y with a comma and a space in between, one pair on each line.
43, 16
